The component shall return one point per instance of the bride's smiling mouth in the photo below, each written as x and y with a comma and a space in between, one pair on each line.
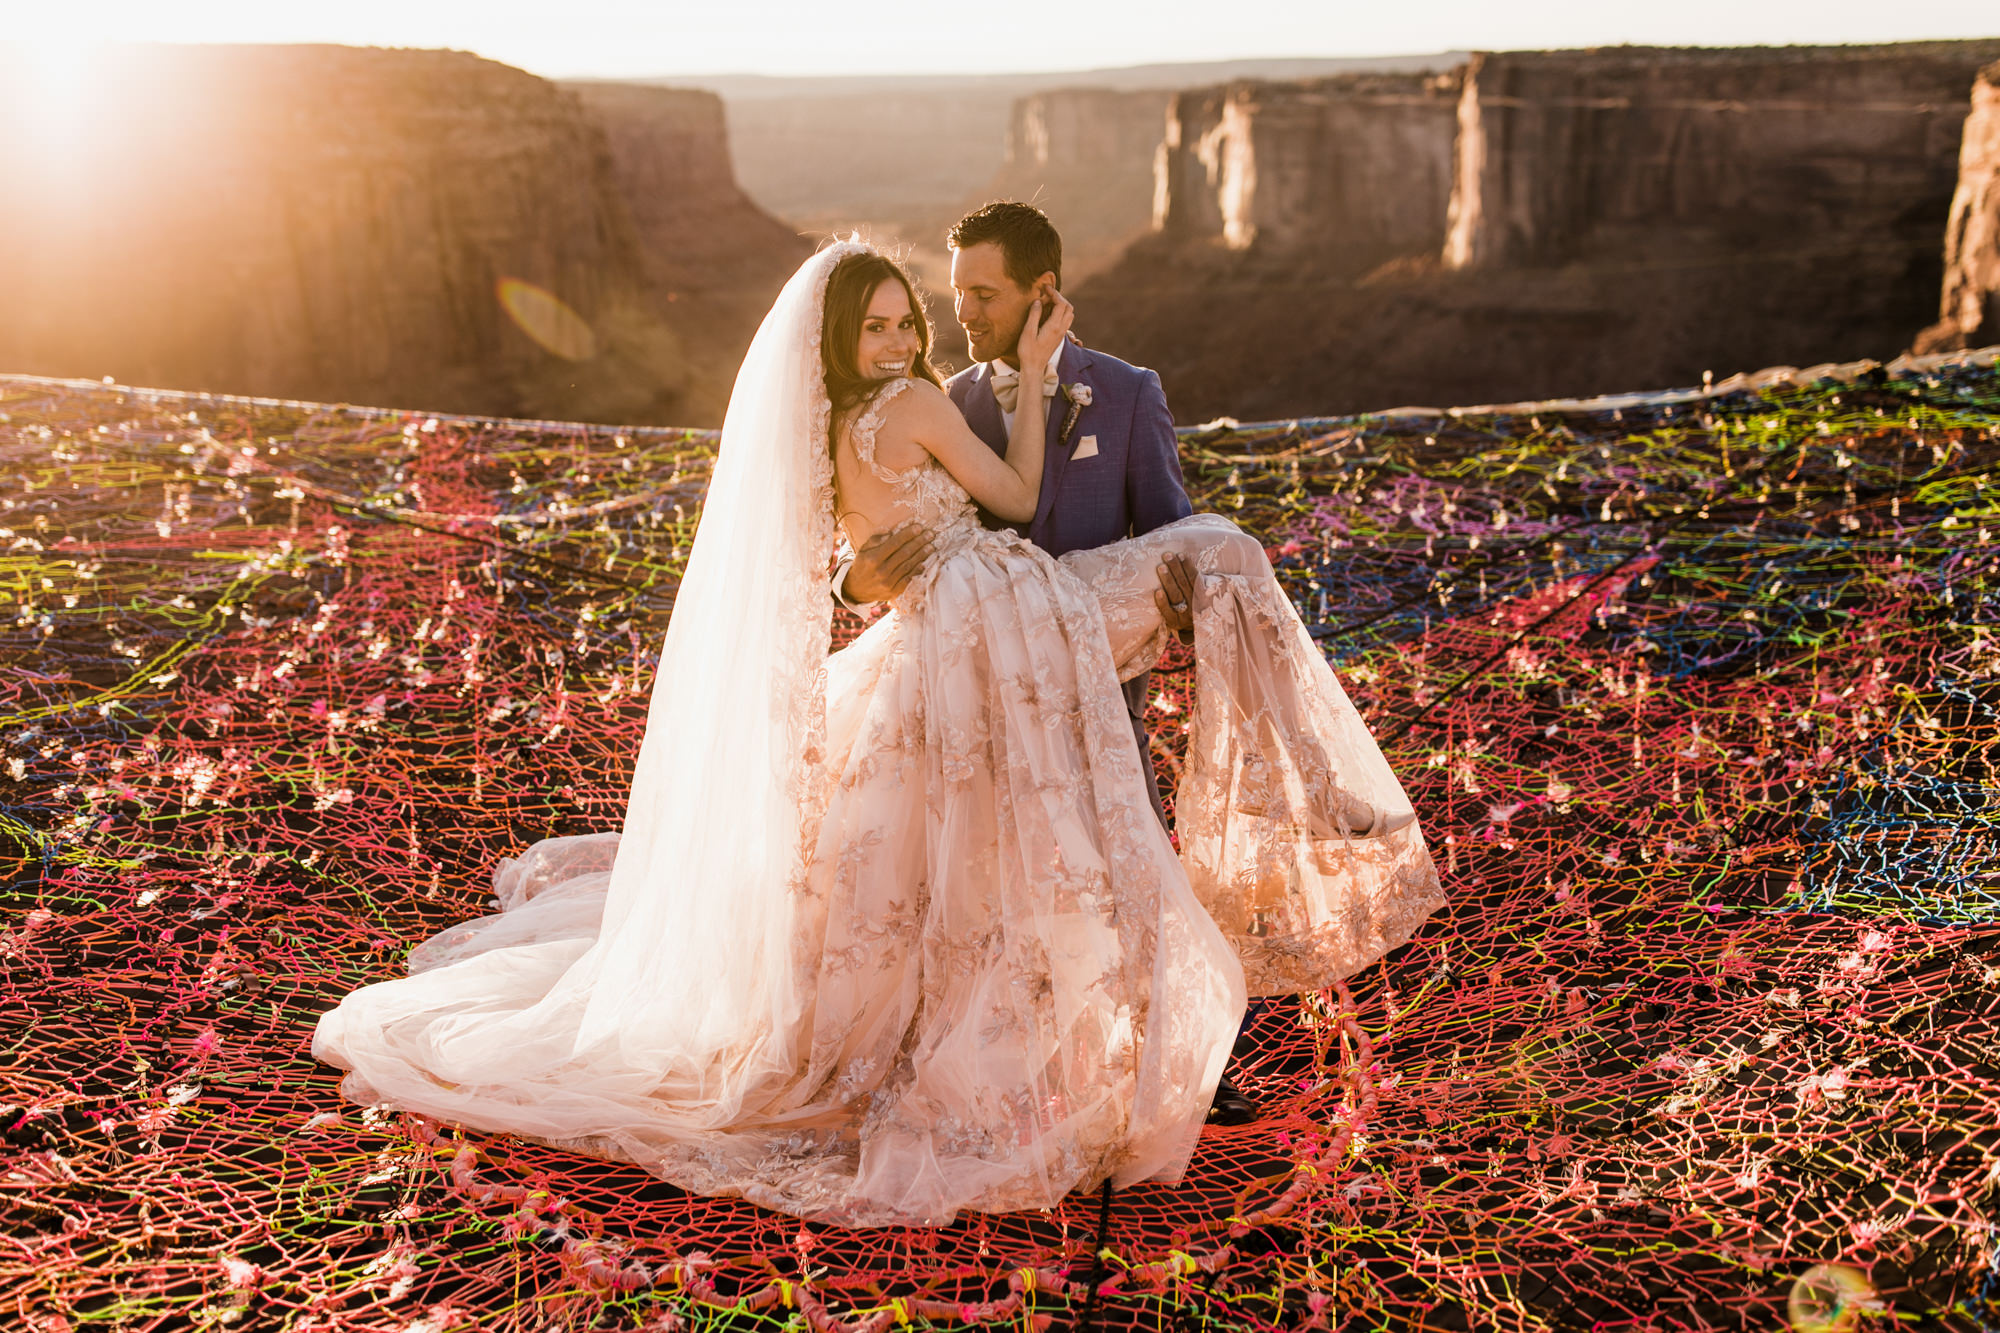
891, 369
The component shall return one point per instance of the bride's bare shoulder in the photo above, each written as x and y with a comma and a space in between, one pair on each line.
919, 405
900, 416
902, 400
922, 396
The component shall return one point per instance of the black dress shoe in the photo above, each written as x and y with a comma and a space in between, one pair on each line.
1231, 1107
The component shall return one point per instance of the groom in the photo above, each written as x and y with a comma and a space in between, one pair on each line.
1112, 466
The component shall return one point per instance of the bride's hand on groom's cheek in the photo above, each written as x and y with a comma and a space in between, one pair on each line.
886, 562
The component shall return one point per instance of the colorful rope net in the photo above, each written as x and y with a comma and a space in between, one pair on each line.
1697, 699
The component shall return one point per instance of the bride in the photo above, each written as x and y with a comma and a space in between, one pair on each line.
895, 932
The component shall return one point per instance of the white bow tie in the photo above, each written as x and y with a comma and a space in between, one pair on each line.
1007, 382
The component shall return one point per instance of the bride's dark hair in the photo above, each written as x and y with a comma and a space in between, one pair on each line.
849, 289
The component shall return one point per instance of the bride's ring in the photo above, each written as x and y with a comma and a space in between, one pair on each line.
1180, 606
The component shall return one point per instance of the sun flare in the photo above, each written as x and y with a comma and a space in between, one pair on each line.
56, 65
56, 80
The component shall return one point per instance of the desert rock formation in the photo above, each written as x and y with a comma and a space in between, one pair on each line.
899, 152
334, 223
1969, 314
714, 260
1085, 157
900, 157
1618, 217
1686, 154
1352, 170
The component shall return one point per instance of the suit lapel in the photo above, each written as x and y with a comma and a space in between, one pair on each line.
982, 411
1072, 368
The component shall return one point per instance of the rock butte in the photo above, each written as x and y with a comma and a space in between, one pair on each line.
1085, 155
1685, 154
332, 223
902, 157
1969, 314
1351, 170
714, 260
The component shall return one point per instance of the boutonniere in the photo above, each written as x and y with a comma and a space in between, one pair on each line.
1078, 398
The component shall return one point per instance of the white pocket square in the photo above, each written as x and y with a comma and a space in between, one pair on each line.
1085, 448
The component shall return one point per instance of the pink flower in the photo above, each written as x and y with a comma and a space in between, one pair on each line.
241, 1274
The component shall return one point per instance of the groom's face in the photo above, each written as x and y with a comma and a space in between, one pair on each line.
991, 307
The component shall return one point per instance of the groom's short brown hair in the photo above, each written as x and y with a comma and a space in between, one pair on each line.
1028, 241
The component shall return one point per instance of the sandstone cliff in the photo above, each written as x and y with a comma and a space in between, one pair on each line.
900, 152
1570, 154
1351, 170
1969, 315
337, 224
1085, 157
713, 259
1619, 218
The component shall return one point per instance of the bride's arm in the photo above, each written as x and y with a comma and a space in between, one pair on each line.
1008, 487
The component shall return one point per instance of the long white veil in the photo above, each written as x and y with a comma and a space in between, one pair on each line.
672, 987
697, 924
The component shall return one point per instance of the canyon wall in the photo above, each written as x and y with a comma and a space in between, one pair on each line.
1567, 155
1351, 170
1085, 157
1969, 314
713, 260
394, 227
902, 157
899, 153
1619, 219
670, 158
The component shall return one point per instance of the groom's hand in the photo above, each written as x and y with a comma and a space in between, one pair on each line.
886, 562
1175, 596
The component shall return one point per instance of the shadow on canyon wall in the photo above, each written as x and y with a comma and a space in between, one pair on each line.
1558, 223
393, 227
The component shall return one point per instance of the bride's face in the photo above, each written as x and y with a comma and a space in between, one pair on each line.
890, 339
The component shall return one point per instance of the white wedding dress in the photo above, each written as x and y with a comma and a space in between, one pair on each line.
893, 932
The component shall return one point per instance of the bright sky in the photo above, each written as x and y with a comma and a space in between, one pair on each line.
629, 38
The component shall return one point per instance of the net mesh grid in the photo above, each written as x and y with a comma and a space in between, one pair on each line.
1696, 699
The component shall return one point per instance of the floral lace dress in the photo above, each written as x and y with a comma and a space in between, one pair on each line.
997, 981
1018, 988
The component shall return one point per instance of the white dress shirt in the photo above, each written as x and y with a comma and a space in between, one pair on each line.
1007, 384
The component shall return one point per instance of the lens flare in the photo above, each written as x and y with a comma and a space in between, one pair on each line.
1830, 1298
547, 318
